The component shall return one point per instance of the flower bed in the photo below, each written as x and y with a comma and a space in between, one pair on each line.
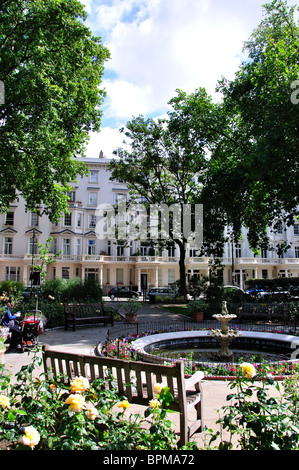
121, 348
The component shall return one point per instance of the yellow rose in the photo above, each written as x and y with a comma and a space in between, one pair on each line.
92, 413
76, 402
154, 404
158, 388
248, 369
31, 437
124, 404
4, 401
79, 385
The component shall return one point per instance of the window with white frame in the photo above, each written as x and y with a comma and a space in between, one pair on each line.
296, 251
92, 221
68, 219
118, 197
91, 247
238, 250
8, 245
171, 276
65, 273
34, 219
79, 219
72, 196
119, 250
12, 273
66, 247
94, 176
54, 245
264, 273
93, 198
9, 219
119, 276
279, 227
296, 229
33, 246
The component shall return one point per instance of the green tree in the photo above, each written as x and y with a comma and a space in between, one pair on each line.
165, 165
254, 166
51, 66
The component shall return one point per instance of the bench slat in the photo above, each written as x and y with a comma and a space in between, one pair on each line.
76, 314
135, 380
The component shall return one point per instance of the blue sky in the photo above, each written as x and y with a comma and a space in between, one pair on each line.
158, 46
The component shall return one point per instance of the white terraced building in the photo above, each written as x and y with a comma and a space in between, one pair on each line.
83, 253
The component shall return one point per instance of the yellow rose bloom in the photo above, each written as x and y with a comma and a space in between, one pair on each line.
31, 437
248, 369
124, 404
154, 404
76, 402
4, 401
79, 385
158, 388
92, 413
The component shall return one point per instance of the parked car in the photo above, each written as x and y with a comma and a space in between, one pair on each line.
228, 288
161, 292
269, 294
122, 292
29, 292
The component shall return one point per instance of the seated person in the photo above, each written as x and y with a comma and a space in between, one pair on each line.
10, 320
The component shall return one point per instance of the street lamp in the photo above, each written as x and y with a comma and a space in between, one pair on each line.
33, 246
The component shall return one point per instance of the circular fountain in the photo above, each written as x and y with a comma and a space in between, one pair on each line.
274, 347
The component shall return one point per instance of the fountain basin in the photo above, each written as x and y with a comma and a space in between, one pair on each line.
287, 345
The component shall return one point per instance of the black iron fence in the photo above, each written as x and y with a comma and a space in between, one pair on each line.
140, 328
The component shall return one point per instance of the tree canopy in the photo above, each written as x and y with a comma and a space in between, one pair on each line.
51, 66
254, 166
165, 165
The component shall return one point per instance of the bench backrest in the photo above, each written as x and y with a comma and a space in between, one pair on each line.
135, 380
84, 310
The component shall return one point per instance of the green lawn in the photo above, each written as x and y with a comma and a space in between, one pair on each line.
179, 309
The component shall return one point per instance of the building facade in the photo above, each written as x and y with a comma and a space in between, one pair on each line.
135, 264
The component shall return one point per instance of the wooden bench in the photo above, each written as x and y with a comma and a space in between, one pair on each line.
78, 314
262, 311
134, 380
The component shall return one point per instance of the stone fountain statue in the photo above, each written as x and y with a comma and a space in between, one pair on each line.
224, 334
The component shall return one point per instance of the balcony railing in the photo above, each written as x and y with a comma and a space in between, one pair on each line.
195, 261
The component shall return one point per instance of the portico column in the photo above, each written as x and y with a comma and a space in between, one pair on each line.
139, 279
101, 275
156, 276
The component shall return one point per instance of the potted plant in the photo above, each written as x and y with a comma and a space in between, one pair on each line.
131, 308
197, 309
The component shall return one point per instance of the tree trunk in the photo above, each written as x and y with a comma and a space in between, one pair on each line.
183, 284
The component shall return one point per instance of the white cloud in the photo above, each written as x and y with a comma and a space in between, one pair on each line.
158, 46
126, 99
107, 140
167, 45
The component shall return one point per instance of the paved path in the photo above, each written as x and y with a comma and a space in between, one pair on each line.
84, 339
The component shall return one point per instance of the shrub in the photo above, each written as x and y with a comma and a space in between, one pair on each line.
260, 421
41, 415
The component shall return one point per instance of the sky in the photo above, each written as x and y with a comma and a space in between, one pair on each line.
159, 46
